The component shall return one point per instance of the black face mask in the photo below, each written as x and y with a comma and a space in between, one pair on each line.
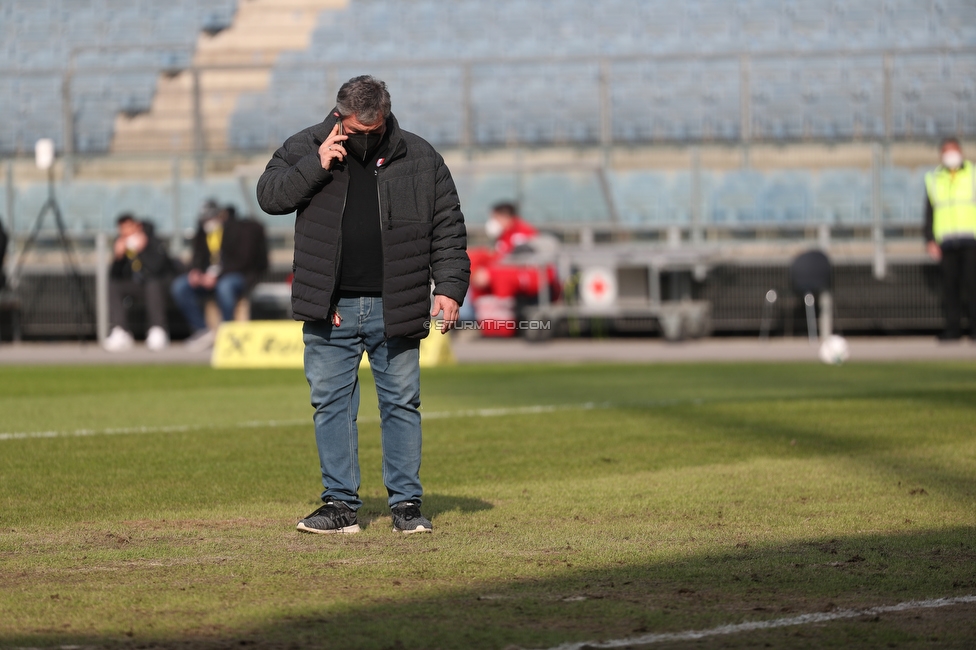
363, 146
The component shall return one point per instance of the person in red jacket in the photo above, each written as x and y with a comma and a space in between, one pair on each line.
493, 273
508, 229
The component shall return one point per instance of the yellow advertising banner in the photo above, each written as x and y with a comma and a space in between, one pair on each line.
259, 344
279, 344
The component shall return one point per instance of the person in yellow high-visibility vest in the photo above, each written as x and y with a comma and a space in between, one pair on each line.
950, 234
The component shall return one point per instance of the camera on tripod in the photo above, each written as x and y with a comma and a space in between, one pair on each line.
44, 158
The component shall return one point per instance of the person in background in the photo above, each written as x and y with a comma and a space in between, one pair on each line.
141, 268
508, 228
495, 273
508, 231
229, 255
3, 253
950, 234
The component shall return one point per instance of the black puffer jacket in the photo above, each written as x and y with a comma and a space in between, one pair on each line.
420, 217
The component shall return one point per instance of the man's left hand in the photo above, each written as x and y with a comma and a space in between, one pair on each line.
450, 308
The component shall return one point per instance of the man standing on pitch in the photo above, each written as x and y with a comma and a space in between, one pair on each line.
378, 224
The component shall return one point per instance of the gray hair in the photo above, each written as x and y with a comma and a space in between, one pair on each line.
365, 97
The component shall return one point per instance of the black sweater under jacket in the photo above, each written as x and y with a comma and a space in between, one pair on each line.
361, 266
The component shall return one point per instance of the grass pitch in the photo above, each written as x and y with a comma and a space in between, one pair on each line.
156, 506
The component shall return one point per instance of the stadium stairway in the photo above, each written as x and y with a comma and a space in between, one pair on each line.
261, 30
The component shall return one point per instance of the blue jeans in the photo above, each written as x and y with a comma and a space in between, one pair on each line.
332, 356
228, 290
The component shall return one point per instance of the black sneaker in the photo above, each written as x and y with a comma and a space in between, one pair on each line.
333, 517
407, 519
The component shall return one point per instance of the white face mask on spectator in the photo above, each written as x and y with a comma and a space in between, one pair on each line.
952, 159
493, 228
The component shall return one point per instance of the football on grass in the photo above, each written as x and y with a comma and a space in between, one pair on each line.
834, 350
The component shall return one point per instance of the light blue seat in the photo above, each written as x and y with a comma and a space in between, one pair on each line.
680, 98
737, 198
28, 200
93, 36
902, 195
653, 102
843, 197
483, 190
563, 198
642, 197
785, 198
144, 200
88, 205
655, 198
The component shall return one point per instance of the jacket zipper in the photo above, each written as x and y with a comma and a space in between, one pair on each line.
335, 269
389, 222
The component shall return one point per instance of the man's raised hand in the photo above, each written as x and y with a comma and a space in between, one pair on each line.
332, 148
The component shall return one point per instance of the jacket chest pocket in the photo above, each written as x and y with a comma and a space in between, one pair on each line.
407, 199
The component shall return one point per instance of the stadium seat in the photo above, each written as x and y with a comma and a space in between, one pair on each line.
809, 94
89, 206
816, 97
736, 200
655, 198
482, 190
641, 197
563, 198
91, 36
902, 196
785, 198
842, 196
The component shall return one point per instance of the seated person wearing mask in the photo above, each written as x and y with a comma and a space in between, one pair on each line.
229, 255
141, 268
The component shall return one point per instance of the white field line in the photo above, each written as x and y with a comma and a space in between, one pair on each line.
21, 435
270, 424
803, 619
